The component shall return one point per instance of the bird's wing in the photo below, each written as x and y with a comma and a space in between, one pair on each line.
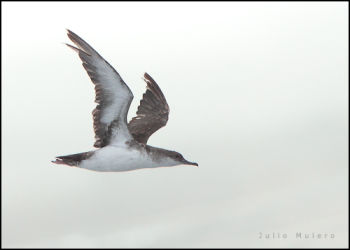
152, 113
113, 96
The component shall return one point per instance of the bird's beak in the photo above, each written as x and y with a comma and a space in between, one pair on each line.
190, 163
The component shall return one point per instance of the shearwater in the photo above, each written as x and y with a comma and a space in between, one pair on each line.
122, 145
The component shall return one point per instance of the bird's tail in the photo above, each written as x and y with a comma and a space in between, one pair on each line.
72, 160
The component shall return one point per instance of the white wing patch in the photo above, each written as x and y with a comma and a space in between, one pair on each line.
113, 96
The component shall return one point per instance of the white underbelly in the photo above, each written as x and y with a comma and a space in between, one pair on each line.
117, 158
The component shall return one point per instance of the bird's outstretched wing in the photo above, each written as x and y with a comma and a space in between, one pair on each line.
113, 96
152, 113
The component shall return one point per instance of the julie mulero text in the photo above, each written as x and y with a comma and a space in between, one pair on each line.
297, 235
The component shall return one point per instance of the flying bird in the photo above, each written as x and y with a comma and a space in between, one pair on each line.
121, 145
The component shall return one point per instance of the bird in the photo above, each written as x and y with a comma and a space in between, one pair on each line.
121, 145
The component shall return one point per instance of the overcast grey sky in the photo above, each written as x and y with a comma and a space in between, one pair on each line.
258, 95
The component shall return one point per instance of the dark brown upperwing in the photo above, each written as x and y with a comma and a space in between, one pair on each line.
152, 113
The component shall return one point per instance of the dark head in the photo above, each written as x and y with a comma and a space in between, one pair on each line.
178, 159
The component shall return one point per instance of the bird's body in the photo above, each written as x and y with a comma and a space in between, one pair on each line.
120, 158
122, 145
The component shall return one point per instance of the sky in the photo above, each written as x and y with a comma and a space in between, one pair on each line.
258, 96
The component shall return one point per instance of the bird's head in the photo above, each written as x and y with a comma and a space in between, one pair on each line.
178, 159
